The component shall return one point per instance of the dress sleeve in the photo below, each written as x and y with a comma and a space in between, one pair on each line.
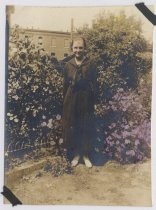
65, 82
94, 83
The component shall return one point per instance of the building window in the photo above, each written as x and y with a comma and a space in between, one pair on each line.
52, 54
53, 42
40, 40
66, 43
65, 55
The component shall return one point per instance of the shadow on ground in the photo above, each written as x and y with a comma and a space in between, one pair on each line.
98, 158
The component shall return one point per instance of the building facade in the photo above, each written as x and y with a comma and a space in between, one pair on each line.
55, 42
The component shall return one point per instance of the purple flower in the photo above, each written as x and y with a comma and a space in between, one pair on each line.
137, 142
127, 141
130, 152
125, 134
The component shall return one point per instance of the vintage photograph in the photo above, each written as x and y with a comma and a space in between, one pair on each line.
78, 105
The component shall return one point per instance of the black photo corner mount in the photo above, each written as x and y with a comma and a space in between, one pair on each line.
10, 196
146, 12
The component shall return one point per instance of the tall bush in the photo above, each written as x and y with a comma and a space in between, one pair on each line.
116, 42
34, 99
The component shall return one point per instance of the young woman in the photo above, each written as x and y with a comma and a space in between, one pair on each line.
79, 93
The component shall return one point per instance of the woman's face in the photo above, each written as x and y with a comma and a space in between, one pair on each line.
78, 48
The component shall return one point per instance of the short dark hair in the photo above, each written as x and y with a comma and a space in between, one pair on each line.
78, 38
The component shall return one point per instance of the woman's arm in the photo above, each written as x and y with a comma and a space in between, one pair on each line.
65, 82
94, 83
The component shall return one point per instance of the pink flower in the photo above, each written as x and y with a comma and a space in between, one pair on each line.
137, 142
130, 152
127, 141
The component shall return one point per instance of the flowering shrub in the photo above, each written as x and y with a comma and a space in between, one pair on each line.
127, 127
34, 99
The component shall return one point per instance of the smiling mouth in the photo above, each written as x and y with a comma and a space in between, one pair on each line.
79, 53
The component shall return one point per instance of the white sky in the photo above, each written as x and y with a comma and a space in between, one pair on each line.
59, 18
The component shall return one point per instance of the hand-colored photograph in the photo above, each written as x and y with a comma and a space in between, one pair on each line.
78, 95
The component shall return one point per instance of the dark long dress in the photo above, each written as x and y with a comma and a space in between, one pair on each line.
79, 92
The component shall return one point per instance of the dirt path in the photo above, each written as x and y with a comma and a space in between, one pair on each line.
111, 184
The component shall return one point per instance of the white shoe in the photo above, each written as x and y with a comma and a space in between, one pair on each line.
75, 161
87, 162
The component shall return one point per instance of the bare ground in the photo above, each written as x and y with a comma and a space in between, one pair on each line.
111, 184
